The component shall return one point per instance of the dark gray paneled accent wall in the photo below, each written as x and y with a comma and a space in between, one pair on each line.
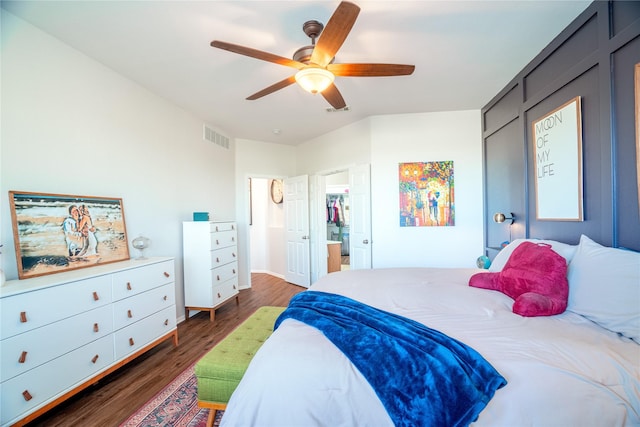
594, 58
506, 187
626, 214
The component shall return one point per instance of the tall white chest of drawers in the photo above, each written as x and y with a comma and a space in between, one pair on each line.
63, 332
210, 251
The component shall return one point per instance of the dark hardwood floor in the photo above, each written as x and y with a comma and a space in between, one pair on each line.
111, 400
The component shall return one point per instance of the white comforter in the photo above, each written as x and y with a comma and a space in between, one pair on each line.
561, 370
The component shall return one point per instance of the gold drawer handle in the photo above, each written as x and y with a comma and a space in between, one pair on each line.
217, 242
216, 228
218, 278
94, 359
217, 259
234, 255
233, 227
131, 343
166, 274
27, 396
96, 297
233, 239
23, 317
234, 286
219, 296
234, 271
166, 322
23, 357
129, 314
128, 286
96, 328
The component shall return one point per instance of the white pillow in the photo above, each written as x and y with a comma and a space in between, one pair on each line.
604, 286
565, 250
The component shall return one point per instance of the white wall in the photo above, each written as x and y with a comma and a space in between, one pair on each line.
386, 141
72, 126
420, 138
337, 150
256, 159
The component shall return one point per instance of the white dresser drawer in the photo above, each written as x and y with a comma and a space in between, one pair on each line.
139, 334
216, 227
223, 239
223, 256
131, 282
53, 379
31, 349
224, 273
30, 310
225, 291
131, 310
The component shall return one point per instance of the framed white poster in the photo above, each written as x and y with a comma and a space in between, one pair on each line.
557, 156
637, 91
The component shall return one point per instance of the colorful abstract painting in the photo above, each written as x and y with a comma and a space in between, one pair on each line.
426, 194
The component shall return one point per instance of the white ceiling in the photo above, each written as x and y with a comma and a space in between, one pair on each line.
465, 52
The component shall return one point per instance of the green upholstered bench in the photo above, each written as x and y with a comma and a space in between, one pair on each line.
220, 370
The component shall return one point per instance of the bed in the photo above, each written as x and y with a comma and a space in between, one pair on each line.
580, 367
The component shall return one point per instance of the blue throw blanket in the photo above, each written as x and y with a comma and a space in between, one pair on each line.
422, 376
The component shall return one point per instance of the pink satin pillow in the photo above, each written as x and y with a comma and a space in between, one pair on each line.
534, 276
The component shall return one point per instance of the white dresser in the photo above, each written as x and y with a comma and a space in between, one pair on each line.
63, 332
210, 251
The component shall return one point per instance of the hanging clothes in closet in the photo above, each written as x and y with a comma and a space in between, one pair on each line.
335, 210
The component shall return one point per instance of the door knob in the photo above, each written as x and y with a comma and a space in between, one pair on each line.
305, 237
365, 241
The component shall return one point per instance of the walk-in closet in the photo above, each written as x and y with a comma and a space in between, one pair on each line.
337, 197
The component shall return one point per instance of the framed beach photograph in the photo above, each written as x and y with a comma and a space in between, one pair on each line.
53, 233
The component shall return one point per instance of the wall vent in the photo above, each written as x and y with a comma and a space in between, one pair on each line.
211, 135
333, 110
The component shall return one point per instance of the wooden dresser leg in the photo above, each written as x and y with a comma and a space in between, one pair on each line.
186, 315
212, 314
212, 417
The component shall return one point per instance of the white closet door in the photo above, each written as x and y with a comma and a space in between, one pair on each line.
296, 213
360, 217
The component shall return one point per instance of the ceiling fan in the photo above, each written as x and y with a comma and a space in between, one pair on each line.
316, 69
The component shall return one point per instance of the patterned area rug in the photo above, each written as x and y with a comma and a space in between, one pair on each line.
176, 405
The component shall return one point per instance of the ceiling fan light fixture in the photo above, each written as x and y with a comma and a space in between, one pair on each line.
314, 79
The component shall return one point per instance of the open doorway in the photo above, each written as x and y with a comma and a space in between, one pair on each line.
266, 228
266, 224
337, 200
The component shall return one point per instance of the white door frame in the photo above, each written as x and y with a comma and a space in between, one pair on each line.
318, 226
319, 235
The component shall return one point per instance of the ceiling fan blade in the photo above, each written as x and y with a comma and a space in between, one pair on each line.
334, 33
334, 97
258, 54
370, 70
274, 87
